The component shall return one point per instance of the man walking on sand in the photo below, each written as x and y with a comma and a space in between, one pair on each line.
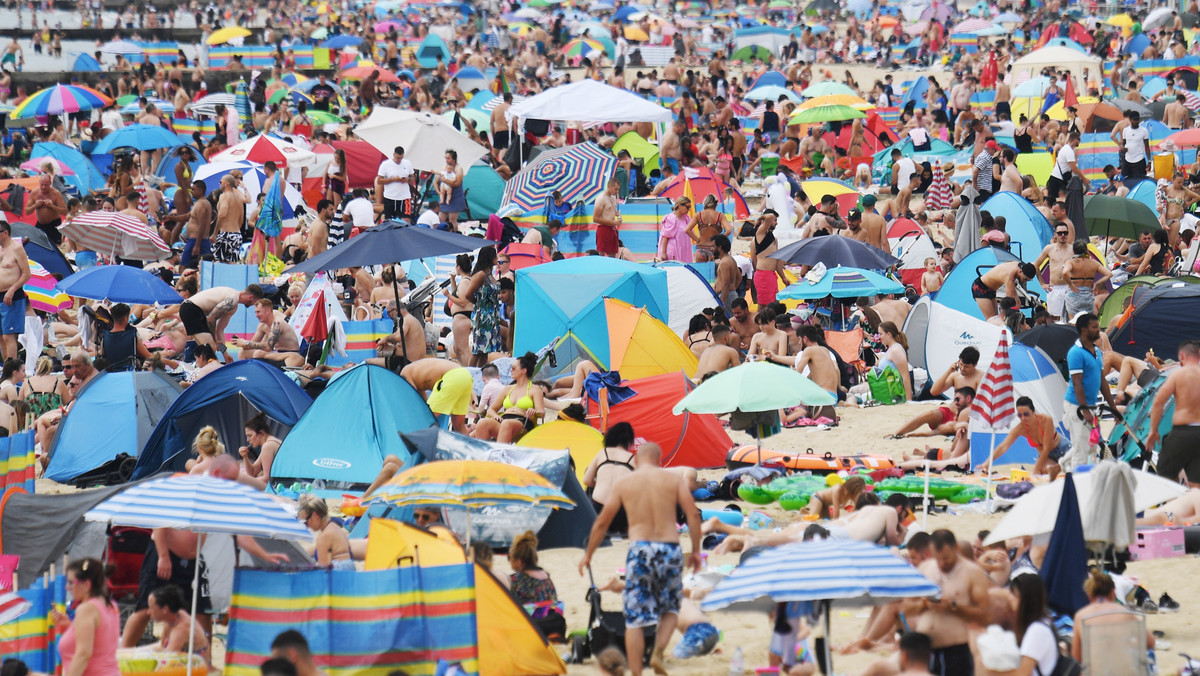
1179, 453
650, 496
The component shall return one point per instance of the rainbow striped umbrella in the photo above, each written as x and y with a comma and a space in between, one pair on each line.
43, 292
578, 172
60, 99
581, 47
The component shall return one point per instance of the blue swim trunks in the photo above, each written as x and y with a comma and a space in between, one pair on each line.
12, 317
697, 641
653, 582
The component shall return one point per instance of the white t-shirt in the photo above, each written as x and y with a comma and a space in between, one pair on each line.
111, 120
1040, 644
398, 190
745, 265
1135, 143
918, 135
907, 169
1062, 165
429, 218
362, 212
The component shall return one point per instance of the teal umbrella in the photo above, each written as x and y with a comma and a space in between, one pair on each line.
843, 283
752, 387
1111, 216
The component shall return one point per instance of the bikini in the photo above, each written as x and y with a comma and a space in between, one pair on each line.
524, 403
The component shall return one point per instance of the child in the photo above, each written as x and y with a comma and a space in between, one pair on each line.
932, 280
492, 387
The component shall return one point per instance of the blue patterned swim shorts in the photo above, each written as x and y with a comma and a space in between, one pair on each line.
653, 582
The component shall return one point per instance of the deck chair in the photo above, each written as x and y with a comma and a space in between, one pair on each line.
848, 346
1114, 644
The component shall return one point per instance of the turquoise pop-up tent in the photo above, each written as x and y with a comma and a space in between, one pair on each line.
566, 298
1027, 228
956, 290
88, 176
430, 49
484, 189
344, 436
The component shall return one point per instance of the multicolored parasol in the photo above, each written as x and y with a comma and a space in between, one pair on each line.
579, 172
60, 99
42, 291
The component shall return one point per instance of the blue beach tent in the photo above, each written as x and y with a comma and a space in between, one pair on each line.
86, 63
88, 176
432, 47
226, 399
1027, 228
956, 291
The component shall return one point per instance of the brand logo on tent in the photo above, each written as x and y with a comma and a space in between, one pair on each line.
331, 463
966, 336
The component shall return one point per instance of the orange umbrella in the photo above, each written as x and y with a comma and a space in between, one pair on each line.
361, 72
886, 22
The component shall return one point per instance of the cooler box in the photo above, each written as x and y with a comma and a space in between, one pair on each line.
1157, 543
1164, 165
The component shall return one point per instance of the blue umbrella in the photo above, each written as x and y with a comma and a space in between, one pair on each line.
625, 12
834, 252
340, 41
119, 284
843, 283
1066, 564
390, 242
138, 137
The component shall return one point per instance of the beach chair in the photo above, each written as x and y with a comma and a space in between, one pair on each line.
848, 346
1114, 644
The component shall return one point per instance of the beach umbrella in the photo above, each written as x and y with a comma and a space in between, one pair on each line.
771, 93
1120, 20
60, 99
324, 117
227, 34
264, 148
387, 26
39, 249
826, 88
967, 223
1066, 564
822, 6
138, 137
165, 107
1111, 216
253, 177
120, 284
43, 292
481, 120
699, 184
342, 40
835, 252
1188, 138
113, 233
937, 11
581, 47
752, 387
1127, 106
361, 72
306, 86
426, 138
1053, 339
842, 283
750, 53
293, 79
390, 242
1075, 207
837, 100
817, 188
35, 164
827, 113
579, 172
199, 504
123, 47
207, 105
842, 571
1008, 17
993, 408
636, 34
1033, 87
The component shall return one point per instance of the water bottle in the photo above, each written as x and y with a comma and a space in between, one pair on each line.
737, 665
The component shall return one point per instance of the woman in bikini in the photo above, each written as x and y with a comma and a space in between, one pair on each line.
517, 412
460, 311
1038, 429
705, 225
699, 335
1176, 200
208, 448
333, 544
609, 466
829, 503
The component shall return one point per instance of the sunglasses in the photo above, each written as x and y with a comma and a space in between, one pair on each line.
1061, 233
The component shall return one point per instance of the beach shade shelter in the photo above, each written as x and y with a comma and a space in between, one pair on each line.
227, 34
225, 399
827, 88
768, 37
689, 293
579, 172
568, 298
750, 53
968, 223
687, 439
826, 113
114, 233
771, 77
470, 79
585, 99
263, 148
253, 177
641, 346
88, 176
465, 118
1143, 191
1111, 216
432, 47
935, 349
343, 439
846, 572
120, 284
521, 255
1066, 564
113, 414
86, 63
58, 100
956, 291
1063, 58
390, 242
1027, 228
842, 283
582, 441
1036, 512
138, 137
39, 249
425, 137
912, 245
771, 93
1114, 305
639, 149
509, 643
835, 252
204, 505
484, 189
1161, 316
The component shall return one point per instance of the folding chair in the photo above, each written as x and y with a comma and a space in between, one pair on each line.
848, 346
1114, 644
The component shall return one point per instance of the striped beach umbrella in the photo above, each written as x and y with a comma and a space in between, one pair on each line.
12, 606
472, 483
43, 291
581, 47
123, 47
579, 173
163, 106
113, 233
60, 99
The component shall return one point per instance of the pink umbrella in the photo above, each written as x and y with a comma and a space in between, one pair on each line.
387, 26
35, 164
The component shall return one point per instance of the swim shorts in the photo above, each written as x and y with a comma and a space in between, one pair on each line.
947, 414
981, 290
1056, 299
195, 321
955, 660
697, 641
182, 574
1147, 376
607, 241
452, 394
1083, 300
766, 283
1063, 447
12, 317
1179, 453
935, 454
228, 247
193, 252
653, 582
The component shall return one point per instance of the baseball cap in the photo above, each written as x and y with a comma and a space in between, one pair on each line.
992, 145
854, 215
869, 200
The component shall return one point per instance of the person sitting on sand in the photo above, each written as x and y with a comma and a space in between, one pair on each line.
828, 504
1184, 509
208, 447
332, 543
1039, 430
943, 420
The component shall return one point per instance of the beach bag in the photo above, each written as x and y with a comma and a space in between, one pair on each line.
884, 385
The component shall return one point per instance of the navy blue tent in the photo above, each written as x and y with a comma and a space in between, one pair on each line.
38, 248
344, 437
113, 414
225, 399
1163, 316
1066, 564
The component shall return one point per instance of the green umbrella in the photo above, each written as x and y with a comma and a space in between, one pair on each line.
826, 88
323, 117
320, 34
127, 99
751, 52
752, 387
829, 113
1111, 216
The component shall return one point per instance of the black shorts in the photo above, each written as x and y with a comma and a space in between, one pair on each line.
1180, 453
955, 660
182, 575
500, 139
193, 318
396, 363
51, 230
981, 290
527, 421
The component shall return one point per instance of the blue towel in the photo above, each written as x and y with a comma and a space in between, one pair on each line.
617, 392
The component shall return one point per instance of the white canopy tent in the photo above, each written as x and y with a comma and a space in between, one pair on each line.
589, 100
1062, 58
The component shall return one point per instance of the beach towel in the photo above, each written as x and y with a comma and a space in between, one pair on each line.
617, 393
939, 196
1109, 516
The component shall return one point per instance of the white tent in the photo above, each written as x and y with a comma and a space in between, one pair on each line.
935, 349
1062, 58
589, 100
689, 295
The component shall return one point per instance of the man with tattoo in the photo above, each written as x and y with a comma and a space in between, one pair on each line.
274, 341
206, 314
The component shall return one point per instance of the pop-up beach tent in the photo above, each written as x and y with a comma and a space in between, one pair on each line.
1162, 316
583, 441
1034, 376
956, 291
641, 346
689, 293
935, 349
1027, 228
430, 49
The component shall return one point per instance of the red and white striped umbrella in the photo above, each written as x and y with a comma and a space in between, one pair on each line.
12, 606
993, 405
1191, 100
113, 233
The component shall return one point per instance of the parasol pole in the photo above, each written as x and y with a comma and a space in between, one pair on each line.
828, 638
195, 594
925, 499
988, 480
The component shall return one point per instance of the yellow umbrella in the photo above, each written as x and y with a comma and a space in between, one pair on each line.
1058, 111
636, 34
818, 188
837, 100
1122, 20
223, 35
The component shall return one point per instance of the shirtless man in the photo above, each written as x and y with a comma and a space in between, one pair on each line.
814, 360
197, 238
501, 127
48, 207
874, 225
206, 314
318, 232
670, 149
608, 220
729, 275
14, 272
274, 341
168, 560
131, 199
881, 524
1179, 454
741, 322
943, 420
650, 496
1009, 275
231, 213
408, 343
1055, 256
768, 339
961, 373
964, 601
718, 356
1175, 113
767, 270
854, 227
1010, 176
